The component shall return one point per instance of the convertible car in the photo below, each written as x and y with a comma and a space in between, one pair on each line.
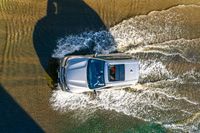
79, 74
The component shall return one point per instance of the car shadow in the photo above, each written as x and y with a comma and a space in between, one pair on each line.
13, 118
64, 17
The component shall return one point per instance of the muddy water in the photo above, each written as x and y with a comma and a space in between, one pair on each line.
163, 35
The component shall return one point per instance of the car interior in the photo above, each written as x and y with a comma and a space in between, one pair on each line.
117, 72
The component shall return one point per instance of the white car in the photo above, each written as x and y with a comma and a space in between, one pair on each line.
79, 74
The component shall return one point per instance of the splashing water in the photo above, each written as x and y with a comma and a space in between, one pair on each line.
95, 42
152, 71
145, 105
157, 40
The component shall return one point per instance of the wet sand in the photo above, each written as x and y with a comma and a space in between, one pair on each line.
114, 11
23, 76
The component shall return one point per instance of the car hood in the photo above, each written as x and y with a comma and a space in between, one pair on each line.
76, 74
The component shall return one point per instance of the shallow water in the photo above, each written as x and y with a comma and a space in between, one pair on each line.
163, 36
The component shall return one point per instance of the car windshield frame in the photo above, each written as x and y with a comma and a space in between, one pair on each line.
95, 73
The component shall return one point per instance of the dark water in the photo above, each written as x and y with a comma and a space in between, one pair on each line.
162, 35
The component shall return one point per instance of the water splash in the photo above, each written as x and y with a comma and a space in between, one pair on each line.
156, 40
164, 31
152, 71
146, 104
94, 42
191, 124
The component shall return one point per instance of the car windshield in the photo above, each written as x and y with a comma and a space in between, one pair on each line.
116, 72
95, 73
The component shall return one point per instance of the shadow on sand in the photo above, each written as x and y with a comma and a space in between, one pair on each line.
64, 17
13, 119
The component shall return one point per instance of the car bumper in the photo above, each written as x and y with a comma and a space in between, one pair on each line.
61, 74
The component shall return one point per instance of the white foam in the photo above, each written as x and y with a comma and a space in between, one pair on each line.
160, 31
192, 76
138, 104
153, 71
190, 125
100, 42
